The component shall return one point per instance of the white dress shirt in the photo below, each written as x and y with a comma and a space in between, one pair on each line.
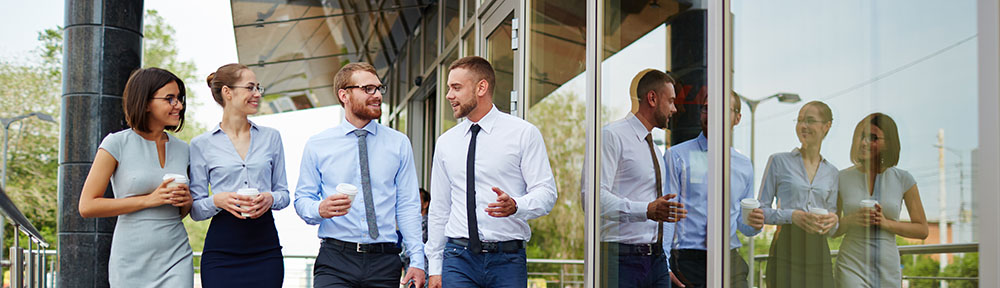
628, 183
510, 155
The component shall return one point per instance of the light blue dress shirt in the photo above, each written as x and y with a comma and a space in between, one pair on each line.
331, 158
786, 179
688, 173
215, 162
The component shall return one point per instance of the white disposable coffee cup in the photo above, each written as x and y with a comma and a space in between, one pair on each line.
747, 206
869, 203
348, 189
252, 192
178, 179
818, 211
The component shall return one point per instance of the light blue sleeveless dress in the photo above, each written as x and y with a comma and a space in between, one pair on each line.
150, 246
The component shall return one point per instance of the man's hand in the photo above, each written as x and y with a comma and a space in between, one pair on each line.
413, 274
756, 219
434, 282
335, 205
662, 209
505, 206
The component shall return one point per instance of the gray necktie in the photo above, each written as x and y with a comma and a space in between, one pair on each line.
366, 183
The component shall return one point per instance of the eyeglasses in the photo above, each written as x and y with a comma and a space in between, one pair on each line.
370, 89
257, 88
172, 100
871, 138
808, 121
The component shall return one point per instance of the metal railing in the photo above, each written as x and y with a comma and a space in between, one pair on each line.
909, 250
25, 264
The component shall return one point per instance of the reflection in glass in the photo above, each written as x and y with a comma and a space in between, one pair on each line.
470, 44
431, 36
806, 186
872, 193
444, 112
470, 9
450, 20
688, 178
501, 57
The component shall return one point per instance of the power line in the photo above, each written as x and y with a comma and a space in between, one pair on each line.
886, 74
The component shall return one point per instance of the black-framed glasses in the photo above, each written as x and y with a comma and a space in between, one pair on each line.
172, 100
257, 88
370, 89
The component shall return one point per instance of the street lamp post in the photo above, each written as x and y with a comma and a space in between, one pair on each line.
3, 174
789, 98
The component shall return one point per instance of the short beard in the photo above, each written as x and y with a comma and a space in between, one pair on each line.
660, 120
464, 109
363, 112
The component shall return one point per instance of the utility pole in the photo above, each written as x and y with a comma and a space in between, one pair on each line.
942, 222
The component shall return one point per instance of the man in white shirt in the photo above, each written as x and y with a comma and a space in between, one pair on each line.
633, 203
495, 166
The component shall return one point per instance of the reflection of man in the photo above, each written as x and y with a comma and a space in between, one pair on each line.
632, 201
359, 248
490, 175
688, 167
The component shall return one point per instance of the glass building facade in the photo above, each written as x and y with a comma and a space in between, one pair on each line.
890, 101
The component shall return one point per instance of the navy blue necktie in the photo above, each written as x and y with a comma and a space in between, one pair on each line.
475, 245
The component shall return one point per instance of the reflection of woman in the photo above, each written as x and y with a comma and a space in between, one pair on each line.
239, 251
805, 184
150, 245
868, 256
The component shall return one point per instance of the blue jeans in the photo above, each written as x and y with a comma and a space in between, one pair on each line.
462, 268
626, 270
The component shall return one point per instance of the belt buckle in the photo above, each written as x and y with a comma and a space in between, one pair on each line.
648, 252
358, 249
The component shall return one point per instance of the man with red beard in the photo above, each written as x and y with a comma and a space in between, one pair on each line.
490, 175
359, 237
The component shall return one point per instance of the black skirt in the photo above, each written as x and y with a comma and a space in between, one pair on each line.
799, 259
242, 253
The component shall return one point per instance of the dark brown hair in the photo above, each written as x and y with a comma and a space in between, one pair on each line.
480, 68
140, 90
227, 75
653, 80
889, 155
343, 77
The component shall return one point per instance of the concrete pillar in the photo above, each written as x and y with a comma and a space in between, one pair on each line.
102, 46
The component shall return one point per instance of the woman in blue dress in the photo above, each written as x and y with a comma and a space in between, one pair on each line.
240, 251
150, 245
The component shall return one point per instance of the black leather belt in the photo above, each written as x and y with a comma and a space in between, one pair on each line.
636, 249
380, 248
511, 246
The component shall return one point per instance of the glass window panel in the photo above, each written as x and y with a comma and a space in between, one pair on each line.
446, 115
638, 45
404, 77
882, 136
451, 20
470, 9
415, 54
470, 44
502, 58
556, 104
431, 36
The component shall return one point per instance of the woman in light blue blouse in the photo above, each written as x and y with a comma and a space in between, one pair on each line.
804, 184
240, 251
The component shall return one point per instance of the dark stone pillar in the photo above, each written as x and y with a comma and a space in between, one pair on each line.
102, 46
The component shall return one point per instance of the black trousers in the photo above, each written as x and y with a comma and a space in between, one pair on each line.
689, 267
338, 267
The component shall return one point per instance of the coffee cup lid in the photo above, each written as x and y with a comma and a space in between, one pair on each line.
347, 188
247, 191
178, 178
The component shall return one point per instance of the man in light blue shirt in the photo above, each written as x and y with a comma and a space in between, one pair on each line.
687, 164
359, 238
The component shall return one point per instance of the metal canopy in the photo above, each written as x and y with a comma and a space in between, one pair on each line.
296, 46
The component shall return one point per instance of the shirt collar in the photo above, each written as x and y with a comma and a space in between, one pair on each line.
702, 141
218, 127
797, 153
348, 128
486, 123
637, 127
